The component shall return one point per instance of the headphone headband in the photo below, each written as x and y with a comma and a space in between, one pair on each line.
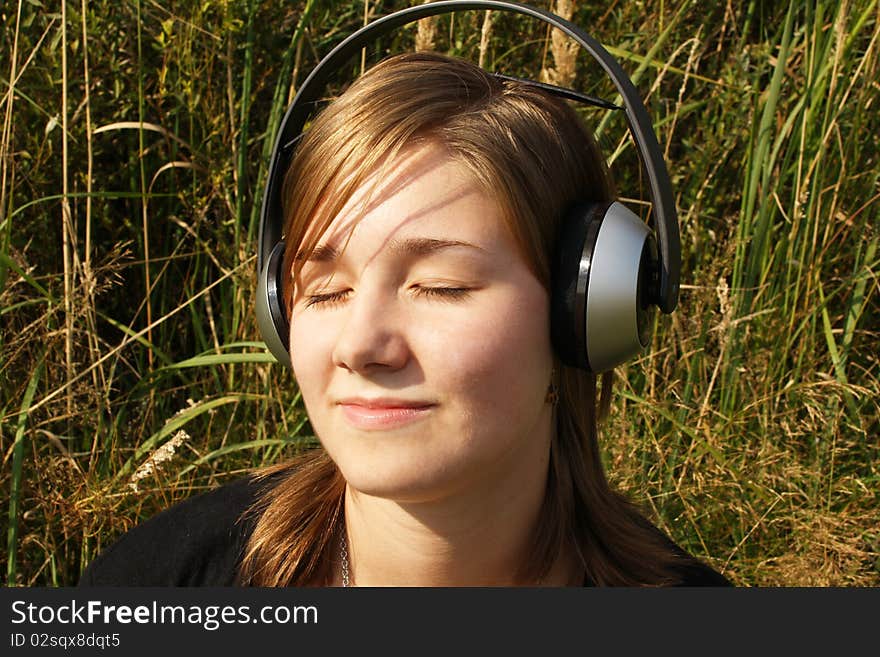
637, 119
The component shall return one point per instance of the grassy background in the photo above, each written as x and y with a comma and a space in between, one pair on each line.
134, 146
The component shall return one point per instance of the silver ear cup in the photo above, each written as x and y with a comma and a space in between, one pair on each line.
271, 316
618, 294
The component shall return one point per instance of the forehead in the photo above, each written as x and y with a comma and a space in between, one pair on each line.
422, 194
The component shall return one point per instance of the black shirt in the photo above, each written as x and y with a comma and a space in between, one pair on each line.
200, 542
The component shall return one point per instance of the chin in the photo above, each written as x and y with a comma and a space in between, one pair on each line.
401, 483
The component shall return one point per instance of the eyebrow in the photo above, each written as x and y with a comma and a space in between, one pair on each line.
414, 247
321, 253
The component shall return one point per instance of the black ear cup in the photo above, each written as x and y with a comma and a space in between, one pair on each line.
271, 315
603, 286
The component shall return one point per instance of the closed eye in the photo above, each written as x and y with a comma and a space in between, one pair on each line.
327, 299
448, 293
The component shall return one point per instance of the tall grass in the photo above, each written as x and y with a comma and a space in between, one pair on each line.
133, 152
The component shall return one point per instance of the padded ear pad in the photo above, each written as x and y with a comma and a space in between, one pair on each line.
271, 315
603, 287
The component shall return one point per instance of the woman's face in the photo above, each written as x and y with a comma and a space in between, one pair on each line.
420, 337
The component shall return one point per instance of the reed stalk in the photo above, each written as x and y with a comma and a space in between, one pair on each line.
747, 431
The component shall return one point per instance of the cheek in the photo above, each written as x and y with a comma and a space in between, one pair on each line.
310, 355
499, 353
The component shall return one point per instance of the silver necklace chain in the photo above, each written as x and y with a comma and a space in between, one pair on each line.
343, 557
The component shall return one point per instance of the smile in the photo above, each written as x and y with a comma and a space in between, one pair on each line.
375, 416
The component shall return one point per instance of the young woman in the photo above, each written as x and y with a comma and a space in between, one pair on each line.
421, 212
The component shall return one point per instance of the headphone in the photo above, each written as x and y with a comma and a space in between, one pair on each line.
609, 270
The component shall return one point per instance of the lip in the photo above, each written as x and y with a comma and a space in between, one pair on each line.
383, 413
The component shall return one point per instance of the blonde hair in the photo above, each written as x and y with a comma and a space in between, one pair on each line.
532, 153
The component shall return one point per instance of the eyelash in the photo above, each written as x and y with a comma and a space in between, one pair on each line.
326, 299
445, 293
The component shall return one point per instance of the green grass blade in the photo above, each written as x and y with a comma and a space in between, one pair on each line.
837, 359
210, 360
17, 463
253, 444
11, 264
279, 99
178, 422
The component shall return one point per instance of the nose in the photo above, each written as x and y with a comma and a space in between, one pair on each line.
371, 337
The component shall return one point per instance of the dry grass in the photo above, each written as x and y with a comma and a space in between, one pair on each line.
132, 156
